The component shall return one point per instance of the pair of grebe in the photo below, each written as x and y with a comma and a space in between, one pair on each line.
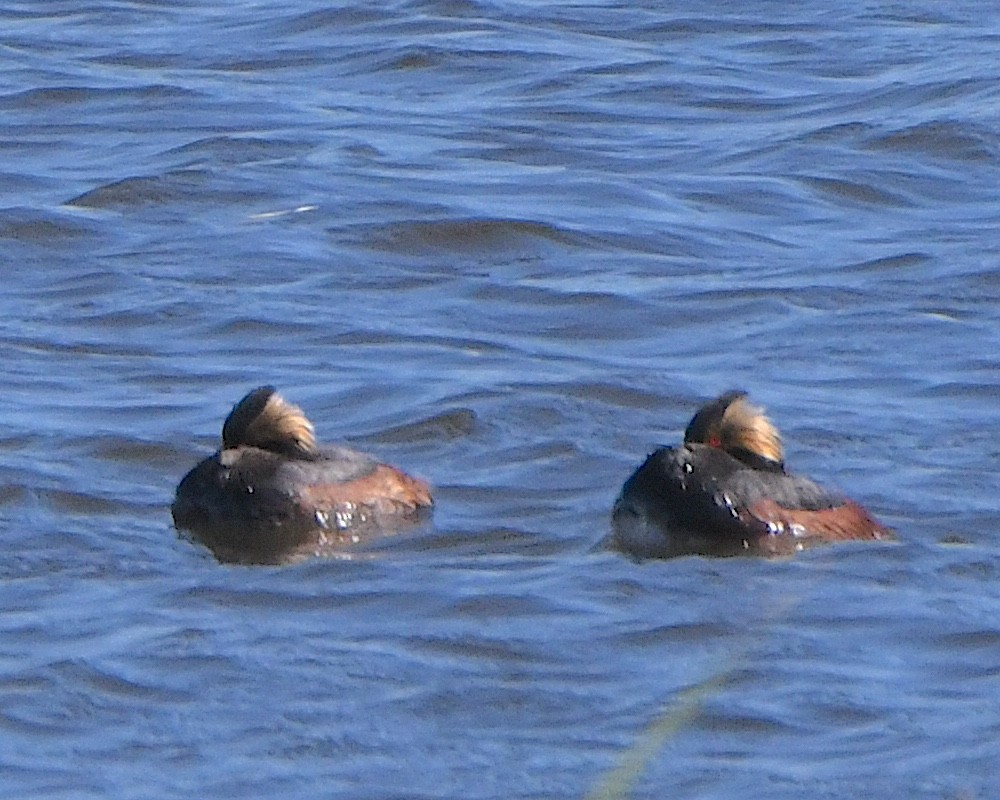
272, 492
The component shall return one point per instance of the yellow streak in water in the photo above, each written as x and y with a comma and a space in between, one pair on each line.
618, 783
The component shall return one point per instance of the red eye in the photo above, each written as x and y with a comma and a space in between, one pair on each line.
714, 441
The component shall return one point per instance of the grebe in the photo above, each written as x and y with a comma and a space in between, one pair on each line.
271, 493
725, 491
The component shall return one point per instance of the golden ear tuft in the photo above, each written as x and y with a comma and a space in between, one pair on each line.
266, 420
746, 426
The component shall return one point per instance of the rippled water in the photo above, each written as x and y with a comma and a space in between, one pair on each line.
509, 247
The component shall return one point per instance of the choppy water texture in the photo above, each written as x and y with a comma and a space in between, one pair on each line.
509, 247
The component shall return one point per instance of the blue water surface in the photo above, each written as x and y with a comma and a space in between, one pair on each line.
510, 247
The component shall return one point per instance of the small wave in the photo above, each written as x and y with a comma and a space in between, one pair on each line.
902, 261
855, 191
945, 140
470, 236
37, 226
56, 96
455, 424
140, 190
237, 150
